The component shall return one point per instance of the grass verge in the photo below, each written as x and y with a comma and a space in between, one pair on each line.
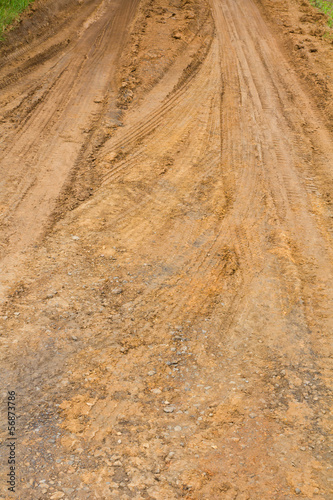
9, 11
325, 6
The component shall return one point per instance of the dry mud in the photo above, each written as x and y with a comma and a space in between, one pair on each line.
166, 259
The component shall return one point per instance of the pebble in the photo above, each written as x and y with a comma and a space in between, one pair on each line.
117, 463
297, 491
57, 495
117, 291
75, 238
156, 391
170, 456
151, 373
68, 490
178, 428
169, 409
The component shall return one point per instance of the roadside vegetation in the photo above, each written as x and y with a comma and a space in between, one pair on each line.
325, 6
9, 11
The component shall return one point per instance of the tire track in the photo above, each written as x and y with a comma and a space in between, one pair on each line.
46, 146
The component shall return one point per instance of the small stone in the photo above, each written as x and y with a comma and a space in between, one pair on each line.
297, 491
252, 415
57, 495
68, 490
151, 373
170, 456
74, 337
75, 238
156, 391
169, 409
178, 428
177, 35
117, 291
117, 463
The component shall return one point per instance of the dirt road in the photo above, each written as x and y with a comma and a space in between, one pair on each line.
52, 106
167, 255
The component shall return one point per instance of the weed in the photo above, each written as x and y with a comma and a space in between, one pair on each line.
9, 11
325, 6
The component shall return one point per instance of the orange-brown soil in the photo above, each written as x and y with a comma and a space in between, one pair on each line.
167, 259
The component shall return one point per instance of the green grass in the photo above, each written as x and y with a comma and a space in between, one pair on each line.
9, 11
325, 6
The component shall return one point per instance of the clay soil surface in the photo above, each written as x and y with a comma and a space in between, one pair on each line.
166, 221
